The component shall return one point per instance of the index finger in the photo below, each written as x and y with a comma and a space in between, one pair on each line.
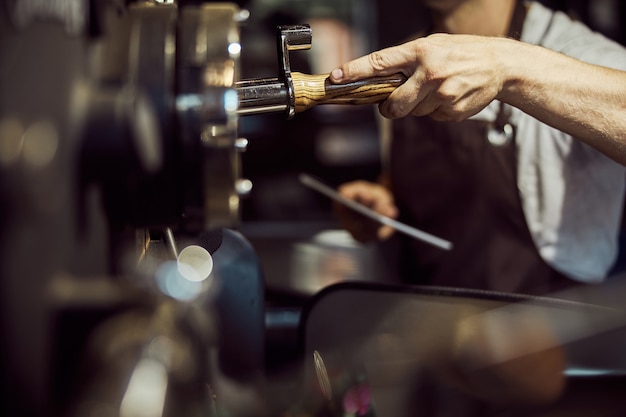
386, 61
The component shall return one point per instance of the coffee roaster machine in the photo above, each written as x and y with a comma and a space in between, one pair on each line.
119, 148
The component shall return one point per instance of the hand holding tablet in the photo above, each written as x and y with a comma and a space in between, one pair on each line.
320, 187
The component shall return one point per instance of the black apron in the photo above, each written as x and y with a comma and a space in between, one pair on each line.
449, 180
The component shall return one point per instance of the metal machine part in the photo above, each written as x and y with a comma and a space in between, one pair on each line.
164, 89
206, 104
276, 94
295, 92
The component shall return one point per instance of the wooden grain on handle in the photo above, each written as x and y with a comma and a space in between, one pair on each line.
311, 90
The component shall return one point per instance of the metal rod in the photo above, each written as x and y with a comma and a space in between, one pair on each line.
263, 95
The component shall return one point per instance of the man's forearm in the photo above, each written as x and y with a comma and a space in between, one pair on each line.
583, 100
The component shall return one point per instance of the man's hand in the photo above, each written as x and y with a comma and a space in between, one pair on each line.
374, 196
453, 77
449, 77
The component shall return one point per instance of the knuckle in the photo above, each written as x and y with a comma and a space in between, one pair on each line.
445, 94
377, 60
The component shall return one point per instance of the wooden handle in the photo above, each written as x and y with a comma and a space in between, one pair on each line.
311, 90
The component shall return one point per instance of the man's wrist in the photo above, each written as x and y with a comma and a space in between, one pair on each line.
513, 63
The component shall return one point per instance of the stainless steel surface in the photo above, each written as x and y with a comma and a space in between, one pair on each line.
266, 95
291, 38
208, 70
275, 94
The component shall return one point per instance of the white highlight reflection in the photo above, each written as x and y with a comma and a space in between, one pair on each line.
234, 49
195, 263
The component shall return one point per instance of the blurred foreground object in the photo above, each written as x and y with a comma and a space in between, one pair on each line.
118, 131
437, 351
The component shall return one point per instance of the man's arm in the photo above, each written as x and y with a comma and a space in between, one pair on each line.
584, 100
452, 77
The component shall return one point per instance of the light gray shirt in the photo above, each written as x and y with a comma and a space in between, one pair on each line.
571, 194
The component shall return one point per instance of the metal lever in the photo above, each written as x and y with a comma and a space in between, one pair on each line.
295, 92
291, 38
276, 94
